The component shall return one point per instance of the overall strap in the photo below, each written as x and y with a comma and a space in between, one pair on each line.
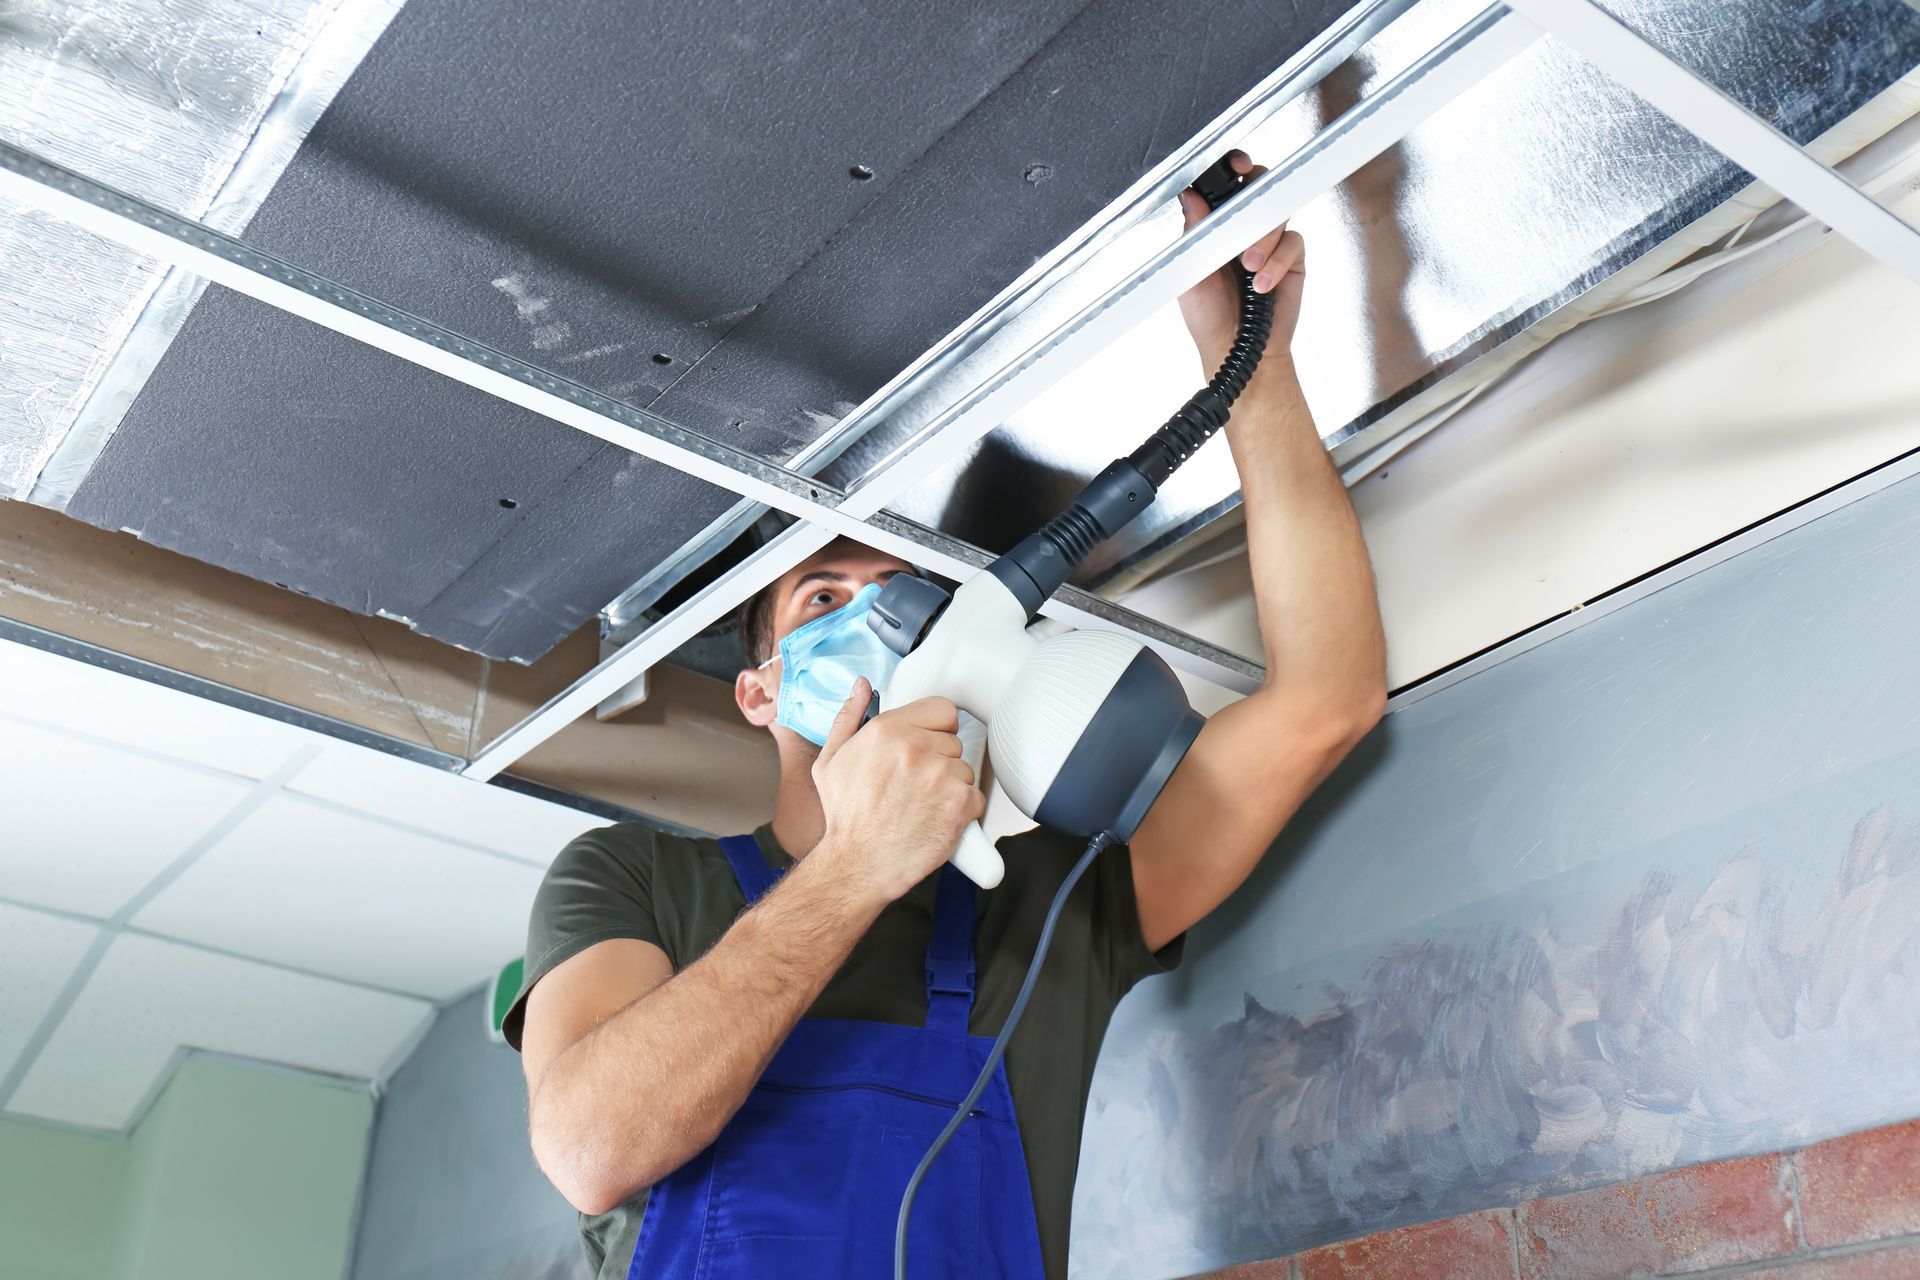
950, 954
749, 867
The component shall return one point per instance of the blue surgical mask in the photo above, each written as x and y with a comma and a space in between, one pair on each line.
820, 661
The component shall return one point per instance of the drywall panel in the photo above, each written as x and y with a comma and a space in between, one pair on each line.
240, 1171
1645, 895
338, 894
84, 826
38, 953
147, 997
52, 690
452, 1190
445, 804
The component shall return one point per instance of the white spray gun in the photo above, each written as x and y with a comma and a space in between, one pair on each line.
1084, 728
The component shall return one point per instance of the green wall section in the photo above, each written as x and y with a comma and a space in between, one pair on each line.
60, 1198
236, 1171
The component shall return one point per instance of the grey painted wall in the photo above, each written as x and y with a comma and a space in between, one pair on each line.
452, 1192
1646, 895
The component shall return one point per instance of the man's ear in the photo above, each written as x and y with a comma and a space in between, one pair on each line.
757, 693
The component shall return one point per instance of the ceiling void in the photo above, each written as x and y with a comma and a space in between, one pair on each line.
788, 203
747, 218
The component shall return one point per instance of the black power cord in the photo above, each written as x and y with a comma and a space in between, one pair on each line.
1094, 846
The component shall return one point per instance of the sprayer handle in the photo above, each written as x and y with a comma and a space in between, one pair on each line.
975, 854
977, 858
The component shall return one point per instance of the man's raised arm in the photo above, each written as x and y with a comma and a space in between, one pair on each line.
1258, 759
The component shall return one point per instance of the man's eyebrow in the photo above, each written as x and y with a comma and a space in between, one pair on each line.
819, 575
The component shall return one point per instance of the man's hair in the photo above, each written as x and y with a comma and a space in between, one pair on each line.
756, 623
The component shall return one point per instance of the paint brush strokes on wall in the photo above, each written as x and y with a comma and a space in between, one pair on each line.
1646, 896
1511, 1060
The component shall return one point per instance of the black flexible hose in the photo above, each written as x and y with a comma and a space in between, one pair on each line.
1040, 565
1195, 422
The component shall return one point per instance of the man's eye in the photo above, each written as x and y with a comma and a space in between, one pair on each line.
823, 597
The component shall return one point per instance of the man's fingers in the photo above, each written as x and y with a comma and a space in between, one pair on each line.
1289, 257
1258, 254
936, 713
945, 744
1192, 208
848, 720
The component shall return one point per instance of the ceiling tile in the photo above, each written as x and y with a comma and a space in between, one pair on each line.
308, 885
106, 704
447, 804
37, 953
87, 825
149, 998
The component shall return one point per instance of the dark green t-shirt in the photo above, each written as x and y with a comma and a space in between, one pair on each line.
679, 893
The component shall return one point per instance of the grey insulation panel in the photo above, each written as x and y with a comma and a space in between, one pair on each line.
595, 185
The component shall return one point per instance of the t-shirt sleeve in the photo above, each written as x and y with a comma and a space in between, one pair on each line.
600, 887
1117, 924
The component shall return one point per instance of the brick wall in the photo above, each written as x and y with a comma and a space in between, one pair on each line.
1848, 1209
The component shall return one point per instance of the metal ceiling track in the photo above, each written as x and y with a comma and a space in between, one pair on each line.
1467, 57
1022, 309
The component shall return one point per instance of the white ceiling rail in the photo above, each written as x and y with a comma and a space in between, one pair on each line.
1473, 52
648, 649
765, 565
148, 229
226, 260
1728, 127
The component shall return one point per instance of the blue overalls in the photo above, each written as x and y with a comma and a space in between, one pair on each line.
805, 1180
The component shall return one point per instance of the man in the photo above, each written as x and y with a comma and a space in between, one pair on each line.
765, 1071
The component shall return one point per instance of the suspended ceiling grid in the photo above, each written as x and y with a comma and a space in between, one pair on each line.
521, 204
182, 874
662, 203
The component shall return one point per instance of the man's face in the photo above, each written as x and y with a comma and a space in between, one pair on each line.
825, 582
818, 585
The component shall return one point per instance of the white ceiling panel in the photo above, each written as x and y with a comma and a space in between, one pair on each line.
55, 690
308, 885
37, 953
433, 800
149, 998
87, 825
